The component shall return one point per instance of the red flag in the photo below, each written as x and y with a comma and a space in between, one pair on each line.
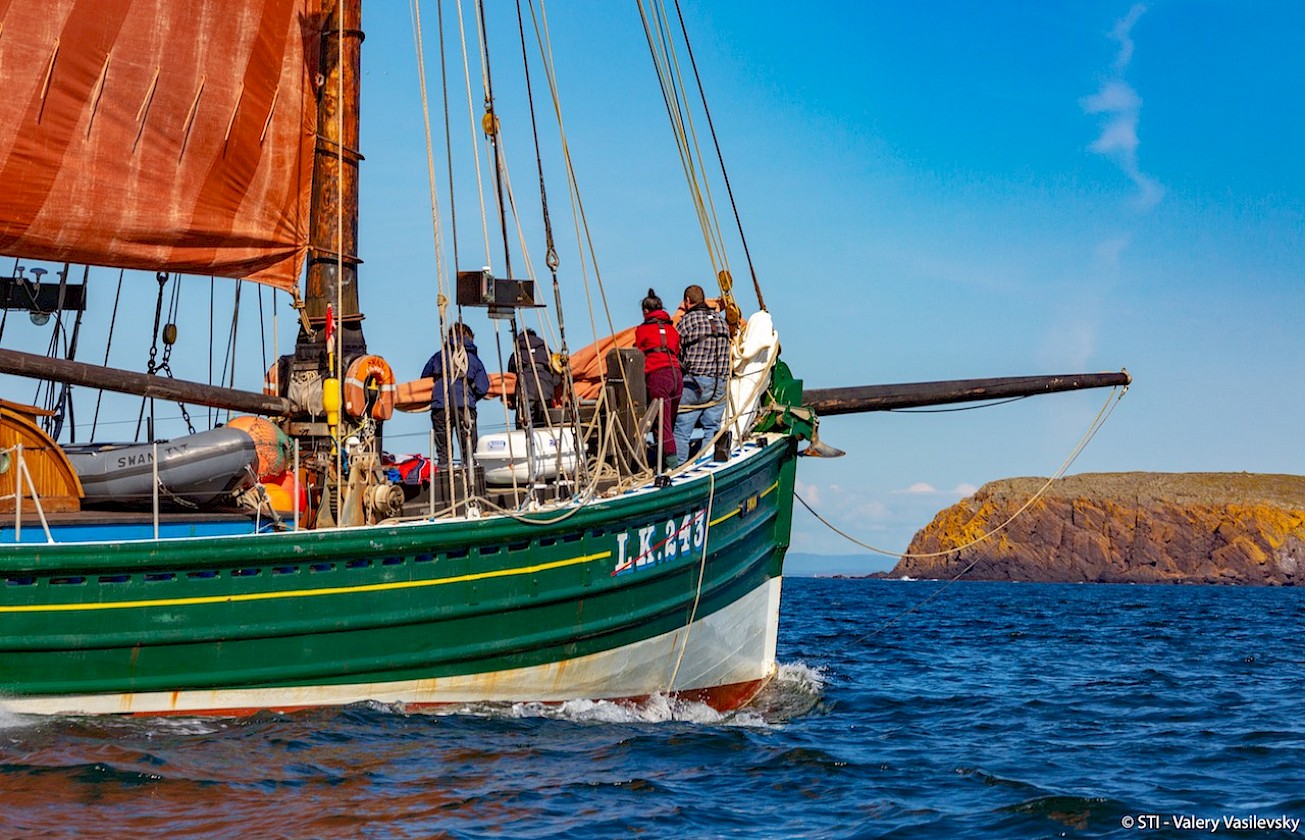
330, 327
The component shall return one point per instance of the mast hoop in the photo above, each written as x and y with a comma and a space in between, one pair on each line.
319, 255
325, 145
349, 31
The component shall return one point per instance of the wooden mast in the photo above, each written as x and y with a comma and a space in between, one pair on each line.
333, 227
311, 375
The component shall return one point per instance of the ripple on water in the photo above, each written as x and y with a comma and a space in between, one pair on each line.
993, 710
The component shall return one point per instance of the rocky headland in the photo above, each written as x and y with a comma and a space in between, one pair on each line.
1231, 528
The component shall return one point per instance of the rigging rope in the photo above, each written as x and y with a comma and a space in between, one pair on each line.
587, 254
1112, 400
337, 340
503, 194
675, 95
475, 145
661, 45
262, 325
441, 275
151, 365
53, 350
70, 352
491, 126
720, 157
170, 340
551, 258
702, 571
212, 338
448, 136
229, 357
661, 49
108, 345
4, 316
507, 424
958, 408
571, 408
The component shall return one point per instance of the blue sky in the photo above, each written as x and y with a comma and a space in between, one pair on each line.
931, 190
939, 190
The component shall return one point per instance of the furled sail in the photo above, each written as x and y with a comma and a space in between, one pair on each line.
159, 134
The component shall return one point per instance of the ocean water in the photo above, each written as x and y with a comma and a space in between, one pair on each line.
904, 709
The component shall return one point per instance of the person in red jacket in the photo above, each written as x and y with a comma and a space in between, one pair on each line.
660, 343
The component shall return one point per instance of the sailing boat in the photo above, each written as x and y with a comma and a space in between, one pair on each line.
170, 138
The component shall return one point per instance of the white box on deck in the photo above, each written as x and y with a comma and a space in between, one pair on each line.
504, 456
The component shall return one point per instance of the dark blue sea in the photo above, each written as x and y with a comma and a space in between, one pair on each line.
904, 710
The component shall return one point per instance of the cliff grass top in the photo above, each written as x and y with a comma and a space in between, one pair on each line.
1145, 488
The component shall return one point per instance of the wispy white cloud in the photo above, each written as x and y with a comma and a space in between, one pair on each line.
885, 519
1109, 251
1119, 108
1123, 34
1070, 339
871, 511
1115, 97
862, 517
924, 488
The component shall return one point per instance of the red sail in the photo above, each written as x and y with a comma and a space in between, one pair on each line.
168, 135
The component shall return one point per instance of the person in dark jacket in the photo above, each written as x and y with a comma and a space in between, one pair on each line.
660, 343
460, 380
536, 381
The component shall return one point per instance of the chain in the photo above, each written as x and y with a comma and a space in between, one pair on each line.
164, 366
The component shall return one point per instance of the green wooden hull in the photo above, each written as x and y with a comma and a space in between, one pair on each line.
660, 590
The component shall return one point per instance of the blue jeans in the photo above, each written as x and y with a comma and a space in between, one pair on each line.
699, 390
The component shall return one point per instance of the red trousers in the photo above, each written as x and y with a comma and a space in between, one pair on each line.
669, 385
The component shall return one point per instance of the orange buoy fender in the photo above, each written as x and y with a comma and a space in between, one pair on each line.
364, 370
272, 445
281, 489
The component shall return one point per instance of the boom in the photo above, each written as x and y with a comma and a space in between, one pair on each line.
863, 398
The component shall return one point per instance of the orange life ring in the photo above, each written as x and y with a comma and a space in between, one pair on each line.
272, 381
363, 370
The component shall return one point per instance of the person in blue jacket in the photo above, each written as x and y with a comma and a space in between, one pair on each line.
460, 380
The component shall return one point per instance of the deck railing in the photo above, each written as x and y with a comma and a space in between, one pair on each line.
21, 474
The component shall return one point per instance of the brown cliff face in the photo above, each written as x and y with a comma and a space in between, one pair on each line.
1123, 528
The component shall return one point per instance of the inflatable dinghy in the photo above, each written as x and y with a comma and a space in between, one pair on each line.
194, 471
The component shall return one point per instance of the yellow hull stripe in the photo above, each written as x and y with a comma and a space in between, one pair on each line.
304, 593
763, 494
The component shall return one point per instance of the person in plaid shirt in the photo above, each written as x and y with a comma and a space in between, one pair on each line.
705, 361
